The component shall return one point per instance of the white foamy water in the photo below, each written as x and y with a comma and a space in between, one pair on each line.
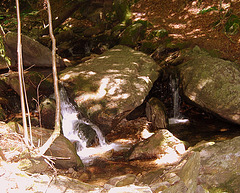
71, 119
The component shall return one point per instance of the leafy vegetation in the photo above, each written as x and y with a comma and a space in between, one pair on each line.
3, 52
228, 21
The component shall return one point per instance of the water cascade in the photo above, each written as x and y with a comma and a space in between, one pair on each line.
72, 124
177, 116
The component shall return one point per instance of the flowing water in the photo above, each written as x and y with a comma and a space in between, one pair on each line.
177, 116
72, 121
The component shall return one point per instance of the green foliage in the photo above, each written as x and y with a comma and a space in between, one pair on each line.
232, 25
206, 10
161, 33
3, 53
122, 10
145, 23
227, 20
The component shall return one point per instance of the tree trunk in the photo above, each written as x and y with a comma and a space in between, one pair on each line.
57, 128
20, 75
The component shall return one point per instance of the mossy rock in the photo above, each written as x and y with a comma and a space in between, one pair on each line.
133, 34
149, 47
212, 83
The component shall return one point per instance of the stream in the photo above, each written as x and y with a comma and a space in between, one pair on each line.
192, 126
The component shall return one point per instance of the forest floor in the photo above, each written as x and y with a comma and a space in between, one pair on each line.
185, 23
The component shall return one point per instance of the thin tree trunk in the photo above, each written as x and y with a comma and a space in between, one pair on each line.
57, 128
63, 16
20, 75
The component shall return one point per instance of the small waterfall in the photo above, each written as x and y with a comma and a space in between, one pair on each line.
95, 128
177, 116
176, 98
72, 119
72, 126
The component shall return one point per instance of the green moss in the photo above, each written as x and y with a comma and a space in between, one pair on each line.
133, 34
148, 47
121, 8
160, 33
84, 84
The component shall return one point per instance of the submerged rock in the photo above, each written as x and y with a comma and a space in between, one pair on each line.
122, 180
212, 83
110, 86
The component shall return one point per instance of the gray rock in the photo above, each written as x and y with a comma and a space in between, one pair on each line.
62, 150
220, 165
110, 86
47, 111
212, 83
34, 53
190, 171
162, 145
156, 113
122, 180
176, 188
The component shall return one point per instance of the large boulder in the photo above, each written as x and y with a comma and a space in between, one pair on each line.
34, 53
212, 83
220, 165
209, 167
110, 86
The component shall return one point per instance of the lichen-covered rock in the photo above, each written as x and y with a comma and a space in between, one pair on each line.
220, 164
108, 87
190, 171
212, 83
3, 63
2, 113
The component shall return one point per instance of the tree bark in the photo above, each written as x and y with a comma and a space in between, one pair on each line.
57, 128
20, 75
